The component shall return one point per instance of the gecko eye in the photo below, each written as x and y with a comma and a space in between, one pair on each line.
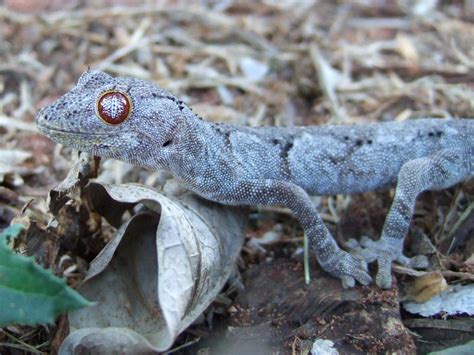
113, 107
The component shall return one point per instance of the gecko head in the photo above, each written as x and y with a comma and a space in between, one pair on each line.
123, 118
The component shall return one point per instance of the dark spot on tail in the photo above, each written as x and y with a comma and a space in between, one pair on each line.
227, 138
286, 148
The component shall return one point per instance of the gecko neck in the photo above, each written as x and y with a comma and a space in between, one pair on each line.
189, 142
200, 145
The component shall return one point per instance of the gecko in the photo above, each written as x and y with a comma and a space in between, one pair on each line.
136, 121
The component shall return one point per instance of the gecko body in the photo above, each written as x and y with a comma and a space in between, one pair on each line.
135, 121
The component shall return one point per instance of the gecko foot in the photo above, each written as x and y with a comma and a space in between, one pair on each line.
348, 268
384, 251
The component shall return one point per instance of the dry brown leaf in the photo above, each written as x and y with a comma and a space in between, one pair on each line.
422, 288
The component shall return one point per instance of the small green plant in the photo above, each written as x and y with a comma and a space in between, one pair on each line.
30, 294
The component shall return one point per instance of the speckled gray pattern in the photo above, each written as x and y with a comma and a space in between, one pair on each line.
274, 166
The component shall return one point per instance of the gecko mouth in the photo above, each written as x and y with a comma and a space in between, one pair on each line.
48, 130
94, 143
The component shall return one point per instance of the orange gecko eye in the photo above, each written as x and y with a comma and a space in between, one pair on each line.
113, 107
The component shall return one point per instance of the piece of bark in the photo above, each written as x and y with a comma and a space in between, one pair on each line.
277, 308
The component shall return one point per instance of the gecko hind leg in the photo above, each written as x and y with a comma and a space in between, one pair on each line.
437, 171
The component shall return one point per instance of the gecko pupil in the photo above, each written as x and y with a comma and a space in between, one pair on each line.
113, 107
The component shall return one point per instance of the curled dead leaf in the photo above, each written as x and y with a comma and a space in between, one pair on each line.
164, 267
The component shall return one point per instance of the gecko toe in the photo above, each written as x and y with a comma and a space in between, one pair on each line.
357, 268
360, 276
347, 282
349, 269
384, 274
363, 277
361, 252
366, 242
417, 262
353, 244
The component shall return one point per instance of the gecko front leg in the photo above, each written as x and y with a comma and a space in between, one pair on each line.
438, 171
276, 192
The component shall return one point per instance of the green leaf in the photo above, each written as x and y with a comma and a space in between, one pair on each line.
30, 294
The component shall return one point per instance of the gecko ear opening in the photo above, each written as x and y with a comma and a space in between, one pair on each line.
113, 107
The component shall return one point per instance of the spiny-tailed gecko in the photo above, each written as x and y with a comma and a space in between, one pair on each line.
136, 121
